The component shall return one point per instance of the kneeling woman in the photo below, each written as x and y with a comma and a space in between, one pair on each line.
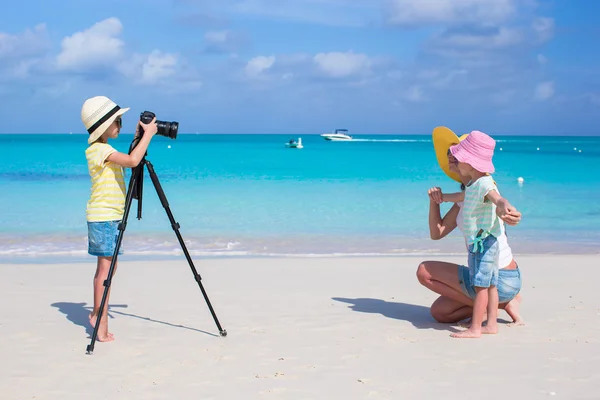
452, 281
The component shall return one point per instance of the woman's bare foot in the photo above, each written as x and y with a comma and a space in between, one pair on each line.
512, 309
489, 329
467, 322
103, 334
468, 334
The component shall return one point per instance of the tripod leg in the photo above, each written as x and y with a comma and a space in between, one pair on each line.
122, 225
175, 226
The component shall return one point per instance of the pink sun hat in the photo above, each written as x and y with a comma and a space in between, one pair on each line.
477, 150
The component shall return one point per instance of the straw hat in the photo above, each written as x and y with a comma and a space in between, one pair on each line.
443, 138
477, 150
97, 114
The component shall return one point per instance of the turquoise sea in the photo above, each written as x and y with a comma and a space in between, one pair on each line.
246, 195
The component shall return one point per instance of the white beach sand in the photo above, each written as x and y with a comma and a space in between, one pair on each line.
298, 328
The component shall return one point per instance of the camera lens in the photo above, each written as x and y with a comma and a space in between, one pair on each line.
167, 129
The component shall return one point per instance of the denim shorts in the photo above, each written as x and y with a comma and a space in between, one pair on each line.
483, 262
509, 283
102, 238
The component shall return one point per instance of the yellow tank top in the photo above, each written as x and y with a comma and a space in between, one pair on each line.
107, 199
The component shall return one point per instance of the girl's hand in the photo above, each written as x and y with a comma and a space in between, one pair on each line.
507, 212
149, 129
512, 218
435, 195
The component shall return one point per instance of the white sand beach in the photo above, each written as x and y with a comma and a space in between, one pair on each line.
298, 328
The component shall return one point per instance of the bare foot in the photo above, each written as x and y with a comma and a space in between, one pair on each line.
102, 330
489, 329
107, 337
468, 334
467, 323
512, 309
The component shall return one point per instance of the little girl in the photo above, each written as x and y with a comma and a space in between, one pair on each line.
105, 208
482, 227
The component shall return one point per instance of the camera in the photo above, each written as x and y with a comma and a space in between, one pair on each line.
167, 129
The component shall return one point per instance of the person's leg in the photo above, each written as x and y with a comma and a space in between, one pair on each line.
509, 288
102, 268
443, 278
492, 312
446, 310
512, 309
480, 304
484, 267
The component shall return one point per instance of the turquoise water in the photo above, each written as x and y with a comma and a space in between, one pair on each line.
249, 195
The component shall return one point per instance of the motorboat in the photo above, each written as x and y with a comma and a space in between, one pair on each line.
337, 135
294, 144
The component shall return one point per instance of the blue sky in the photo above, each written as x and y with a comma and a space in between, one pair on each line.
305, 66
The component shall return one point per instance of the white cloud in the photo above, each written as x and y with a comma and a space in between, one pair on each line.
415, 94
21, 53
101, 46
223, 41
150, 68
341, 65
31, 42
321, 12
217, 36
544, 28
258, 65
423, 12
94, 47
544, 91
158, 65
501, 38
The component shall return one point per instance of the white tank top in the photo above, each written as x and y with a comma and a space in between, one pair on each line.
506, 256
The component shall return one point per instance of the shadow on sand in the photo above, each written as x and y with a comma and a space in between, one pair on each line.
417, 315
78, 314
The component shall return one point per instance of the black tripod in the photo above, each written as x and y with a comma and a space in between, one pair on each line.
135, 191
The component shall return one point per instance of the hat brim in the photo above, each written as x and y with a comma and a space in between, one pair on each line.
102, 128
443, 138
463, 155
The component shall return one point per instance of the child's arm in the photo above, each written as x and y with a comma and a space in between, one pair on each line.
132, 160
453, 197
504, 208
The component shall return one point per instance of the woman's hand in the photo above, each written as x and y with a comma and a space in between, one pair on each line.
435, 195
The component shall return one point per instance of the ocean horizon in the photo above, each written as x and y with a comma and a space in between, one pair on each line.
248, 195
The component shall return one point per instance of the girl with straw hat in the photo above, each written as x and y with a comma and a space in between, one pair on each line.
105, 207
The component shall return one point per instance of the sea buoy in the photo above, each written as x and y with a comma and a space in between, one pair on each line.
575, 148
538, 148
520, 179
169, 146
500, 148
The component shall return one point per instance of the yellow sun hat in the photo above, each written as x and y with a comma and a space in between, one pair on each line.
443, 138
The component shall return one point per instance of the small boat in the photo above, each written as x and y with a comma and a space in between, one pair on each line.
337, 135
293, 144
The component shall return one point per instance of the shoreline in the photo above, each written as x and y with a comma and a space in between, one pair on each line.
68, 248
87, 259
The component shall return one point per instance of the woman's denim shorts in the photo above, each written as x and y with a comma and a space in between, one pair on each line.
102, 238
509, 283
